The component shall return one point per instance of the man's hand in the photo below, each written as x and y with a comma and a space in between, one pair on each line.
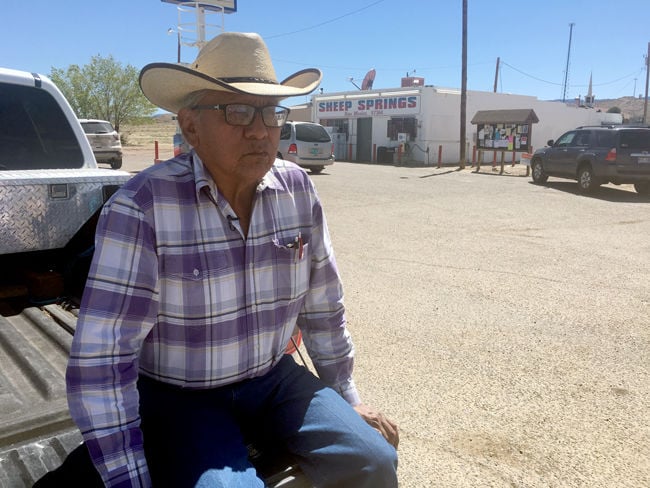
380, 423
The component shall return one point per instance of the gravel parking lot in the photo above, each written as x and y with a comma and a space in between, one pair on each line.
505, 326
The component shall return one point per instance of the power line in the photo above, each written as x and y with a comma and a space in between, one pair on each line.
573, 85
529, 75
325, 22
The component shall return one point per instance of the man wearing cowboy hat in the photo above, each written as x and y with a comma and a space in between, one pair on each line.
203, 267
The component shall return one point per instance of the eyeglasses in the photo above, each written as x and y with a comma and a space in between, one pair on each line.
242, 114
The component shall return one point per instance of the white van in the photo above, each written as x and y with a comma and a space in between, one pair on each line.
307, 144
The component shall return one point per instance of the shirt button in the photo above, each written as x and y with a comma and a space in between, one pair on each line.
196, 272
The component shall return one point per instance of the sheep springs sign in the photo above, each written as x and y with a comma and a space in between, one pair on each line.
368, 107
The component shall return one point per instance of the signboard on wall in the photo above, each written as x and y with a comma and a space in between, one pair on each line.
503, 136
367, 106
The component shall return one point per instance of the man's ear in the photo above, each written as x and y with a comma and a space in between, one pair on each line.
187, 123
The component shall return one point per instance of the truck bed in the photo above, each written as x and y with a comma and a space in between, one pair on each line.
36, 431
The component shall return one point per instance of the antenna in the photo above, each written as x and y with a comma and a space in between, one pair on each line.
568, 56
351, 80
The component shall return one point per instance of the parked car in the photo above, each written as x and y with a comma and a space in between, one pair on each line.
306, 144
104, 140
597, 155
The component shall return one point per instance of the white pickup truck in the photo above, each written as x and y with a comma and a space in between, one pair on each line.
50, 193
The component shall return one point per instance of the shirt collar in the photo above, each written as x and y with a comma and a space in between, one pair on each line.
202, 177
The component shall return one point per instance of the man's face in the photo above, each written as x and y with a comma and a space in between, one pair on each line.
232, 154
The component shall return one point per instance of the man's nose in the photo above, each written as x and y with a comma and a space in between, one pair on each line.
257, 128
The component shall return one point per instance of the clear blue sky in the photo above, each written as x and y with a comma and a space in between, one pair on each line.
346, 38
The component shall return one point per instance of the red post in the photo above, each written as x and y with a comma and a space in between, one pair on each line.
156, 159
531, 151
513, 157
399, 154
439, 155
494, 159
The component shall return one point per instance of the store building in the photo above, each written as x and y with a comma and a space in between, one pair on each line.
422, 123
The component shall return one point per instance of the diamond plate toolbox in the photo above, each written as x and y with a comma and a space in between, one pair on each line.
42, 210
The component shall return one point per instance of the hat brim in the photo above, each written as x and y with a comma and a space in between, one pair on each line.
167, 85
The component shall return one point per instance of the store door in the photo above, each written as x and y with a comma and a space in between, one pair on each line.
364, 139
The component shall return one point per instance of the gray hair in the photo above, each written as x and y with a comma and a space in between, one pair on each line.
194, 98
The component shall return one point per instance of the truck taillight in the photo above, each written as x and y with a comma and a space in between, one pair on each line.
293, 149
611, 155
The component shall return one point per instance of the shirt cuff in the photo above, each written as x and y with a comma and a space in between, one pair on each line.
349, 393
119, 468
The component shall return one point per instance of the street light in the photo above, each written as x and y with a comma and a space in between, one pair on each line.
170, 31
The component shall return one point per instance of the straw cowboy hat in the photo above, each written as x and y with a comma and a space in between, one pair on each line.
233, 62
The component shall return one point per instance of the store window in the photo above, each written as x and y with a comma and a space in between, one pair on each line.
341, 125
398, 125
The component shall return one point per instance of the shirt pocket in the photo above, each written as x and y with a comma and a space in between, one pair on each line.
190, 283
292, 266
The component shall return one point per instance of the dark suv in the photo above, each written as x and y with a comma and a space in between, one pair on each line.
597, 155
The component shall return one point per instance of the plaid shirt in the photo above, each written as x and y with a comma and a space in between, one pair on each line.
176, 293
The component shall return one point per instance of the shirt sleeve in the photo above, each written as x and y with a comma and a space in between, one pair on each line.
116, 314
322, 318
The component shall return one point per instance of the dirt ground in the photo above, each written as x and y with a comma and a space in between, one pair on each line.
139, 142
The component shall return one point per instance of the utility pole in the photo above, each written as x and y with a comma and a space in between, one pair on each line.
647, 77
568, 56
496, 74
463, 91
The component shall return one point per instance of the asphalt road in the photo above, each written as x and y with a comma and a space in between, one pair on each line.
505, 326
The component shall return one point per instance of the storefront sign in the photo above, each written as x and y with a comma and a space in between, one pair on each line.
368, 107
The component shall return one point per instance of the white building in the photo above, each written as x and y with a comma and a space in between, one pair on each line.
370, 125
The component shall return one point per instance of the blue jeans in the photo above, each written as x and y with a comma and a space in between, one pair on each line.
198, 438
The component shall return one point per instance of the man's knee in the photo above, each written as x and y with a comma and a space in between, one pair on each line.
381, 465
374, 466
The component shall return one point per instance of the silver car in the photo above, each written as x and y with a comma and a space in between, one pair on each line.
307, 144
104, 140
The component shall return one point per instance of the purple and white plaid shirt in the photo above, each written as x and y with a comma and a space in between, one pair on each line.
176, 293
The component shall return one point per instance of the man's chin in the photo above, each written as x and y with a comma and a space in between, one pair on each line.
256, 163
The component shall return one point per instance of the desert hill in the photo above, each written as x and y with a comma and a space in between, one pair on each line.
631, 107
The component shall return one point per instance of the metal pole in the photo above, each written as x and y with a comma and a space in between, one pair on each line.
178, 48
496, 75
463, 91
568, 56
647, 77
200, 25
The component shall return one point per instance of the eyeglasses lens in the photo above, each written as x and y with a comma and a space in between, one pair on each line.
272, 116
